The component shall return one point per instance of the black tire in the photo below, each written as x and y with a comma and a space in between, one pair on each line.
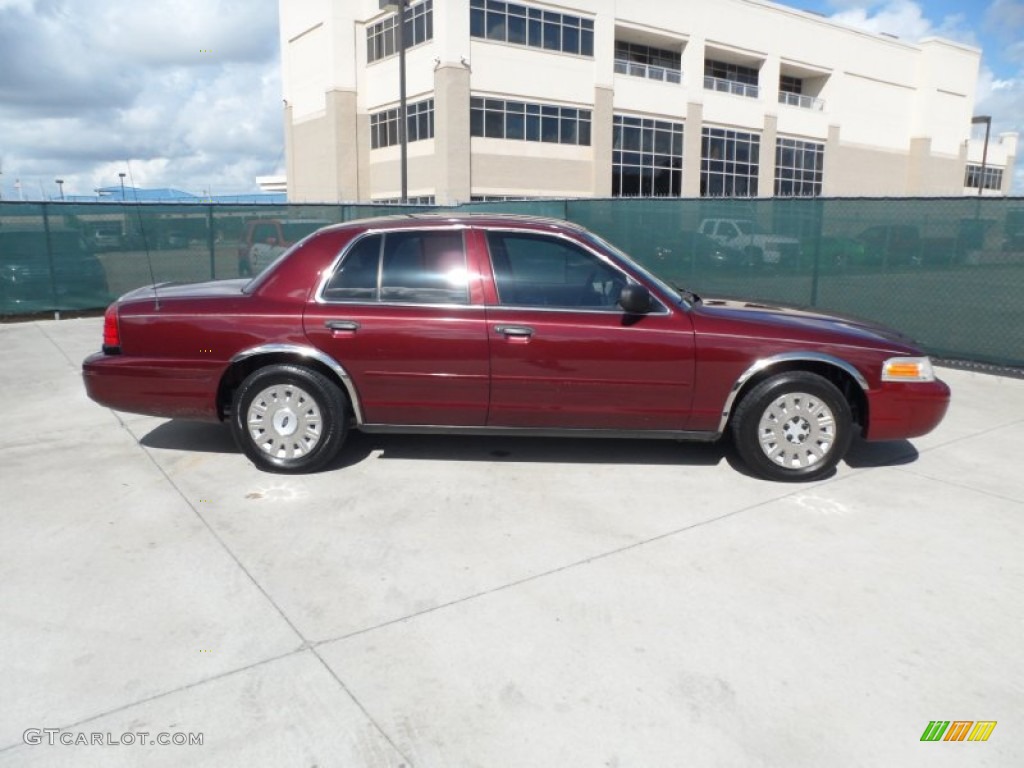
289, 419
793, 427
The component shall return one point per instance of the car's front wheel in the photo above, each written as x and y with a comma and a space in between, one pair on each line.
287, 418
793, 427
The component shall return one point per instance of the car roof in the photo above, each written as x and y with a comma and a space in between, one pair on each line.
496, 220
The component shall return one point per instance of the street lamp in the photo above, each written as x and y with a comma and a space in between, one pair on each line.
60, 186
121, 175
399, 6
987, 120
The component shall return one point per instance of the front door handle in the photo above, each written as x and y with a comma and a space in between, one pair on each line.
341, 326
515, 331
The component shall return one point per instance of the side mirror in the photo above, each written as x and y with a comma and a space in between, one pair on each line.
635, 299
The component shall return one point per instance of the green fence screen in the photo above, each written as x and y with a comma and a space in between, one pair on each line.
947, 271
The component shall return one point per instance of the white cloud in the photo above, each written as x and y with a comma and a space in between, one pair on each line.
1003, 96
188, 91
905, 19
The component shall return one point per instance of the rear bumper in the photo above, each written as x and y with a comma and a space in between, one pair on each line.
172, 389
902, 411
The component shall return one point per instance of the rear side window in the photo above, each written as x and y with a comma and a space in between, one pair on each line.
404, 268
356, 277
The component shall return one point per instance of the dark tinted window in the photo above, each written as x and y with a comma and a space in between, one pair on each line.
356, 278
418, 268
542, 271
425, 268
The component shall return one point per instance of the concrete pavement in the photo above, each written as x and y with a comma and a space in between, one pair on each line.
498, 602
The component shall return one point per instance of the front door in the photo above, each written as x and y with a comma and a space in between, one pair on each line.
565, 355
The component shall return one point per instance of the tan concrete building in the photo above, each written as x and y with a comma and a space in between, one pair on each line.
600, 98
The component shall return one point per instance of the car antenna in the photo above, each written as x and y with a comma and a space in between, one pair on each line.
142, 231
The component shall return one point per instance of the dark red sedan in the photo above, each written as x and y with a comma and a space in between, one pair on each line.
502, 325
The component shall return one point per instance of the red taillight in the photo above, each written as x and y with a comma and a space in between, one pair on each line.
111, 331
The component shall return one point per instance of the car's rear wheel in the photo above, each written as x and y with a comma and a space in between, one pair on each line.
793, 427
287, 418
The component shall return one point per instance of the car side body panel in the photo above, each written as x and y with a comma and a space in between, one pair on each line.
412, 365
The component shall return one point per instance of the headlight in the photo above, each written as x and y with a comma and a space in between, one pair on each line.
908, 369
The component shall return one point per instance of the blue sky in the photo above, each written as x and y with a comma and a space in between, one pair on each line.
995, 26
187, 93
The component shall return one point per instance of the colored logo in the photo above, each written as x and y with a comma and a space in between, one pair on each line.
958, 730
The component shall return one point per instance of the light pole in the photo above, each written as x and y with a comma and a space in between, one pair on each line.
60, 186
987, 120
121, 175
399, 6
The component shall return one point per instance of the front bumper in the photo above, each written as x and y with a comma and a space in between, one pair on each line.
898, 411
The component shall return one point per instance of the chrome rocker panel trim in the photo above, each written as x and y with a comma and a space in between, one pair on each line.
631, 434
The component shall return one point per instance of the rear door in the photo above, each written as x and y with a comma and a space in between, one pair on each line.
565, 355
402, 316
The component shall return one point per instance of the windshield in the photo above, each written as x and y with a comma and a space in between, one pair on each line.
665, 287
746, 227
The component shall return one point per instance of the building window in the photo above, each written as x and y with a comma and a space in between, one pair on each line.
729, 163
382, 37
419, 122
798, 168
647, 157
644, 61
418, 200
789, 84
499, 198
730, 78
791, 92
500, 119
522, 25
993, 177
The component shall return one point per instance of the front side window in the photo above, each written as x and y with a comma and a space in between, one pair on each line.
542, 271
729, 163
426, 267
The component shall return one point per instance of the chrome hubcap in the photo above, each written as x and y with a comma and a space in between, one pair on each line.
797, 430
284, 421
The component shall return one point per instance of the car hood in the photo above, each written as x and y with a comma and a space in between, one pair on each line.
209, 289
802, 324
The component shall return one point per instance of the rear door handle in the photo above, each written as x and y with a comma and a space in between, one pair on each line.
341, 326
515, 331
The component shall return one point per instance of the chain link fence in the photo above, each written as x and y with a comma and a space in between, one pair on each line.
947, 271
